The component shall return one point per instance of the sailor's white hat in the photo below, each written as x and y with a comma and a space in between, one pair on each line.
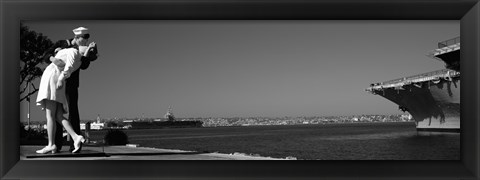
80, 31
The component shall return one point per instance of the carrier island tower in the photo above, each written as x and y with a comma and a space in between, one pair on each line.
432, 98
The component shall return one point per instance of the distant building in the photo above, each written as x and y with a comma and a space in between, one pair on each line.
406, 117
97, 126
98, 118
94, 125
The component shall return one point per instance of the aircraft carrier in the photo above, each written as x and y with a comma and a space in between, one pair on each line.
432, 98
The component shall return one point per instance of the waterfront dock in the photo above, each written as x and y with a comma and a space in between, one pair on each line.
27, 152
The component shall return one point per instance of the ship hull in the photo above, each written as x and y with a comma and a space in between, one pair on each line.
433, 98
434, 105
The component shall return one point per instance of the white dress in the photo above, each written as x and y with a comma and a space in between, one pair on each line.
53, 73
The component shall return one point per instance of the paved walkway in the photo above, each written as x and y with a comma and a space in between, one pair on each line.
27, 152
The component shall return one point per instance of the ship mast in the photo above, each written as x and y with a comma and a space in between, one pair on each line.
169, 115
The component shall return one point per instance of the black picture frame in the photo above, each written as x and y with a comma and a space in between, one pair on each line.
12, 12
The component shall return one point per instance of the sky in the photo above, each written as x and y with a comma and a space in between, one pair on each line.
245, 68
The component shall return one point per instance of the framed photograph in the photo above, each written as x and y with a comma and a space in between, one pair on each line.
251, 60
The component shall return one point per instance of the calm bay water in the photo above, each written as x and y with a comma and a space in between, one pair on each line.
357, 141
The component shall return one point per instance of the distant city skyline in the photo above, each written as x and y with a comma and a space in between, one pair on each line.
246, 68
